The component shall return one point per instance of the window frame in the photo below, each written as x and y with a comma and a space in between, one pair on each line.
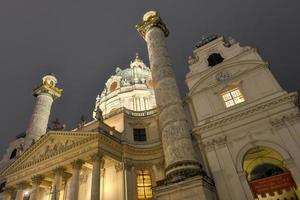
137, 137
144, 186
229, 91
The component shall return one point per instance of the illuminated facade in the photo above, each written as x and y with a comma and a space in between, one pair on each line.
234, 136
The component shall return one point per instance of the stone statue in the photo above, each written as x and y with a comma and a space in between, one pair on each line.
81, 122
99, 114
57, 125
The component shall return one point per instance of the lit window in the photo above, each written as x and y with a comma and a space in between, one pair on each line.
233, 97
144, 187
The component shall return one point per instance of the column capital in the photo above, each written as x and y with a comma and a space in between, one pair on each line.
37, 179
59, 170
77, 164
151, 19
119, 166
66, 176
9, 190
22, 185
97, 156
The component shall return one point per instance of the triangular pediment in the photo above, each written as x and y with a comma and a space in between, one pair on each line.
51, 144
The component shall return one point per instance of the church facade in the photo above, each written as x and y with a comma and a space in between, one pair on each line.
234, 136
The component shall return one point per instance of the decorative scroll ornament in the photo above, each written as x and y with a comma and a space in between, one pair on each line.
193, 59
223, 75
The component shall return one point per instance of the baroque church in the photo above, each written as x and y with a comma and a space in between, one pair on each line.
234, 136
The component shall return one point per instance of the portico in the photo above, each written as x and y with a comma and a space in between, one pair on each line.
62, 166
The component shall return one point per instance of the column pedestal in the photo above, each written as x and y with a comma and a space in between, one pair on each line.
195, 188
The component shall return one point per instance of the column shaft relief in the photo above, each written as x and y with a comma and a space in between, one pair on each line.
39, 119
45, 95
179, 154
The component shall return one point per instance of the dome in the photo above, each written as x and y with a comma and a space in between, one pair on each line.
130, 88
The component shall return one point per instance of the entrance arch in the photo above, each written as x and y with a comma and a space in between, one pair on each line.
267, 174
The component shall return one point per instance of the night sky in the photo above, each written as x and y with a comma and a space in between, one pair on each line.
82, 42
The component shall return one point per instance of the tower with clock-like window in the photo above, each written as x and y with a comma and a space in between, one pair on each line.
246, 124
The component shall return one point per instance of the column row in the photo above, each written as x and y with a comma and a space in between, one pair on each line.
60, 176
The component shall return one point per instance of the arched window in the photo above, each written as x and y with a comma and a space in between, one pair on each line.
267, 173
144, 186
214, 59
265, 170
13, 154
113, 86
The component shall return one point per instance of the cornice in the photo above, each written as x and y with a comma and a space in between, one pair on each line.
290, 97
38, 157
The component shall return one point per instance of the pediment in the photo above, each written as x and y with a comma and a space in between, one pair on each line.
52, 144
223, 73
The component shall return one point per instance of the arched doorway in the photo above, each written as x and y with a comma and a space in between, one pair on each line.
267, 174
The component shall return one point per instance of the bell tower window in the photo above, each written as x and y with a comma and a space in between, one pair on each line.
232, 97
139, 134
214, 59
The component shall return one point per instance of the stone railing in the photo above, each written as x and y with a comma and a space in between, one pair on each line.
131, 112
140, 113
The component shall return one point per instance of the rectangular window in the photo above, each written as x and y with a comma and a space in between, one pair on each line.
139, 134
233, 97
144, 186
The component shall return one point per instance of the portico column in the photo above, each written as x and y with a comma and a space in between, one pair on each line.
56, 186
95, 188
76, 167
20, 190
36, 182
8, 191
178, 149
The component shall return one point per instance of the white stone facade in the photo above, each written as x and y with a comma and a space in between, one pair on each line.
130, 88
269, 117
234, 119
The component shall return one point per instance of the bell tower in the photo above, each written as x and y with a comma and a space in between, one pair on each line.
45, 94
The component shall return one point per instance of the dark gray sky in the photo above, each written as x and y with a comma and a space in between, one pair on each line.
83, 42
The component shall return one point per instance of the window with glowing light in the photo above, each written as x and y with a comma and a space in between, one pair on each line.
144, 186
232, 97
